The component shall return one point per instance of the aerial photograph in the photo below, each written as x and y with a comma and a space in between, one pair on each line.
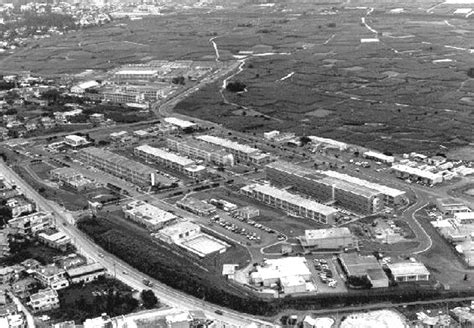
236, 163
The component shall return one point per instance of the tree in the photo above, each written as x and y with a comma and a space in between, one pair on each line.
470, 72
236, 86
178, 80
305, 140
149, 299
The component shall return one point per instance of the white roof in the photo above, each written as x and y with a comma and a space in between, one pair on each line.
380, 156
229, 269
150, 213
179, 317
324, 322
328, 141
372, 185
179, 228
73, 137
291, 198
136, 72
87, 84
327, 233
228, 144
464, 216
292, 281
161, 153
179, 122
418, 172
55, 237
408, 268
283, 267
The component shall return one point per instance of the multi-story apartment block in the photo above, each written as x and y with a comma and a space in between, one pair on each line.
241, 152
31, 224
44, 300
121, 167
175, 162
197, 149
291, 203
345, 193
20, 205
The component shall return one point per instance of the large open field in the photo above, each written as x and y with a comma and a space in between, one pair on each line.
307, 69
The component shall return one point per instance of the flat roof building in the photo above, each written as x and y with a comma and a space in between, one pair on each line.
391, 196
464, 217
198, 149
178, 163
196, 206
152, 217
241, 152
86, 273
379, 157
75, 141
409, 271
55, 239
407, 172
347, 194
122, 167
364, 266
291, 203
44, 300
450, 206
182, 124
272, 271
333, 238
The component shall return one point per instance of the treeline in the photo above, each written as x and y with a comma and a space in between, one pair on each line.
187, 279
34, 21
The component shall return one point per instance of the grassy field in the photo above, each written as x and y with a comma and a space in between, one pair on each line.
408, 92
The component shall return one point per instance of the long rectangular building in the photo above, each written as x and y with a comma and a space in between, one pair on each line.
241, 152
391, 196
173, 161
121, 167
347, 194
291, 203
198, 149
414, 173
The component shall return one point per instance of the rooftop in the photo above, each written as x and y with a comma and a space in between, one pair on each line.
416, 171
137, 72
328, 233
282, 267
118, 160
408, 268
44, 293
357, 265
179, 228
85, 269
200, 145
152, 214
464, 216
196, 203
55, 237
379, 156
291, 198
228, 144
161, 153
381, 188
179, 122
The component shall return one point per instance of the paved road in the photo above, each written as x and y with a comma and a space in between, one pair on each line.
122, 270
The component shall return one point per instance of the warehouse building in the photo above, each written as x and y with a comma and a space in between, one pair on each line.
355, 197
409, 271
333, 238
241, 152
175, 162
152, 217
196, 206
364, 266
379, 157
291, 203
122, 167
291, 272
415, 174
198, 149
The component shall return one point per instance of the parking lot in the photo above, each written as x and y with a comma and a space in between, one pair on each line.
326, 274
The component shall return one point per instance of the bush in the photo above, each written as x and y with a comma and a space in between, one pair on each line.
236, 86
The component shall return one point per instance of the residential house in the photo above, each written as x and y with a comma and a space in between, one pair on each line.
31, 224
20, 205
45, 300
86, 273
22, 288
55, 239
52, 277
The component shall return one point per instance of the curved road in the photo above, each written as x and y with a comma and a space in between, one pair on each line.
122, 270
